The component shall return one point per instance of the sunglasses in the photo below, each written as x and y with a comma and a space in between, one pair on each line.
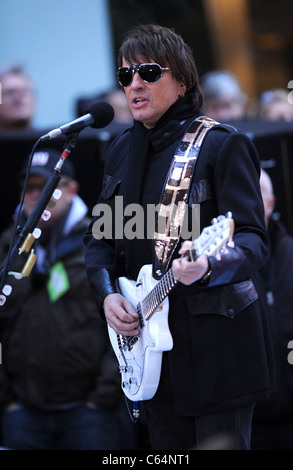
149, 73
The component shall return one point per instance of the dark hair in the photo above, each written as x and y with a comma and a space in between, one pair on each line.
164, 46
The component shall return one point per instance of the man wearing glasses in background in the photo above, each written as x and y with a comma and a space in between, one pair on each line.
18, 104
219, 365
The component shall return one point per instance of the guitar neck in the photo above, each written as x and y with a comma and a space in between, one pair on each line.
158, 294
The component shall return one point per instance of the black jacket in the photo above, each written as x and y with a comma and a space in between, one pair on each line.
221, 354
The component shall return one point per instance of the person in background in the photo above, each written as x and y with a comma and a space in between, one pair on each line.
272, 425
116, 98
272, 105
219, 365
122, 116
59, 382
18, 101
224, 100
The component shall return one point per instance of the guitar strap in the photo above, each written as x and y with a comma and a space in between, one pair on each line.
168, 225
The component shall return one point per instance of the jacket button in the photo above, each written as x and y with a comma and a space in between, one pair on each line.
230, 312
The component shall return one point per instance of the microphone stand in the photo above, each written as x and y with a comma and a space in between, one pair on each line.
37, 212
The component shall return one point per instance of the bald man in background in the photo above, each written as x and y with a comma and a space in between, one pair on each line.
272, 426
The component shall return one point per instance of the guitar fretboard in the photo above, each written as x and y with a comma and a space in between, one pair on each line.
156, 296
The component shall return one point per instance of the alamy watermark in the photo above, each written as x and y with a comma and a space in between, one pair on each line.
290, 94
132, 222
290, 355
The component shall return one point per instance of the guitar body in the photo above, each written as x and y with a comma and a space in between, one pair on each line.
140, 359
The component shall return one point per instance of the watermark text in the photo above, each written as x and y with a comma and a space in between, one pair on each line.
290, 94
132, 221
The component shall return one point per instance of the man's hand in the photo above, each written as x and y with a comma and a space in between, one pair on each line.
189, 271
120, 315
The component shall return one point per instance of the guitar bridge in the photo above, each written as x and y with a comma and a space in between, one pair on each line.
131, 342
126, 342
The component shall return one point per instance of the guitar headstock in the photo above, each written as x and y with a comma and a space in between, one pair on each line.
215, 238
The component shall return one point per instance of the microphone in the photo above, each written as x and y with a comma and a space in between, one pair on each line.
100, 114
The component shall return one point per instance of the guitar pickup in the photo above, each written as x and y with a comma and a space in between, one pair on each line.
131, 342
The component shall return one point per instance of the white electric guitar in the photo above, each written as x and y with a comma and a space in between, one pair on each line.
140, 357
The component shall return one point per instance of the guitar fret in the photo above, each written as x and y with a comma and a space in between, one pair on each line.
166, 285
154, 300
169, 281
157, 295
161, 290
172, 279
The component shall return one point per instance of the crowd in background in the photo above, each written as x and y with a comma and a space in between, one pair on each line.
224, 97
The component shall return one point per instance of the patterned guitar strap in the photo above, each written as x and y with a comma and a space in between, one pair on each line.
168, 225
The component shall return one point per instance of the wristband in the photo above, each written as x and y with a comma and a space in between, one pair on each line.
203, 282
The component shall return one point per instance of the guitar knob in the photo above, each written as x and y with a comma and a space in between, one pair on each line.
133, 381
126, 385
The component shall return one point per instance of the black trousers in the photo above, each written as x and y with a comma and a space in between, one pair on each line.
227, 430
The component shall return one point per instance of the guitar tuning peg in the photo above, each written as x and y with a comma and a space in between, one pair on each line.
214, 220
2, 300
229, 215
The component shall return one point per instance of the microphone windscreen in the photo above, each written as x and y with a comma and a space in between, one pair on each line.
102, 112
